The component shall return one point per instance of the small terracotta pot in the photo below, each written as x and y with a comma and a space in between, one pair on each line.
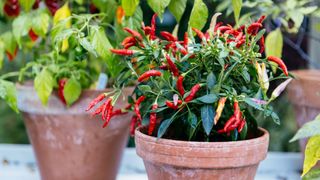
70, 144
170, 159
304, 94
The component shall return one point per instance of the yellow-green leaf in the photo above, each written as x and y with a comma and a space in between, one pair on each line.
2, 51
274, 45
312, 153
43, 84
237, 4
129, 6
61, 14
40, 24
72, 91
26, 4
158, 6
177, 8
199, 15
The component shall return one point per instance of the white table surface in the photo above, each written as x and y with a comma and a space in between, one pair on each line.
17, 163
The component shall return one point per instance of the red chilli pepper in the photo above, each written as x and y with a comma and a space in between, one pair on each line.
153, 27
133, 123
127, 40
262, 47
62, 83
106, 105
95, 101
222, 29
33, 36
185, 40
148, 74
98, 110
136, 106
173, 68
180, 85
108, 115
241, 126
134, 33
199, 33
253, 28
280, 63
168, 36
261, 19
193, 92
12, 56
172, 106
123, 52
153, 119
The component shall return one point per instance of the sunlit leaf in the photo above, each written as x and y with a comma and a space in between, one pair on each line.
199, 15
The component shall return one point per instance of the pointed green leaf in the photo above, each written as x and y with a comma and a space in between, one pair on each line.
26, 4
312, 153
177, 8
158, 6
101, 43
9, 94
43, 84
40, 24
72, 91
21, 26
208, 99
199, 15
211, 80
237, 5
10, 44
129, 6
207, 116
164, 126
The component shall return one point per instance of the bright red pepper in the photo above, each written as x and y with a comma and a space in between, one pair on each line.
62, 83
153, 119
180, 85
108, 115
193, 92
147, 30
280, 63
262, 47
217, 26
95, 101
199, 33
106, 105
173, 68
222, 29
148, 74
172, 105
261, 19
153, 27
33, 36
253, 28
98, 111
12, 8
134, 33
185, 40
133, 123
127, 40
94, 10
123, 52
241, 126
136, 107
240, 43
168, 36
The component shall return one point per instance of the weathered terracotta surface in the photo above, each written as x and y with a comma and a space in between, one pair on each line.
304, 94
171, 160
70, 144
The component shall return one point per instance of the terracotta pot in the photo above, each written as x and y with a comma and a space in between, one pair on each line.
70, 144
170, 159
304, 94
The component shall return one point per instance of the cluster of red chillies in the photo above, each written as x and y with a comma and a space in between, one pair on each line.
106, 109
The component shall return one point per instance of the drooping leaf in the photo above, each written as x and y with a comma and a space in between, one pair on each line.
88, 46
21, 26
71, 91
208, 99
211, 80
312, 153
26, 4
129, 6
40, 24
309, 129
43, 84
101, 43
207, 116
193, 121
199, 15
237, 5
274, 45
2, 51
164, 126
9, 94
158, 6
10, 44
177, 7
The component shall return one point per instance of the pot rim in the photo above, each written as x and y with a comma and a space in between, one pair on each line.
309, 74
180, 143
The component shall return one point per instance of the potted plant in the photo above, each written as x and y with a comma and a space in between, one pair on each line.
310, 130
68, 63
198, 100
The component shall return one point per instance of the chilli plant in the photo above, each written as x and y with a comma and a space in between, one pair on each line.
201, 89
63, 45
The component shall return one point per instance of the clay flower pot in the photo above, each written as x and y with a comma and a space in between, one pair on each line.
70, 144
170, 159
304, 94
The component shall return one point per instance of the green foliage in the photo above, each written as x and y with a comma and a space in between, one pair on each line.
26, 4
237, 5
72, 90
8, 93
43, 84
129, 6
198, 14
308, 130
177, 8
158, 6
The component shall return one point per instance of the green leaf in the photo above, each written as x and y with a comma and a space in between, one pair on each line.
245, 74
253, 104
274, 45
177, 8
208, 99
193, 121
129, 6
101, 43
309, 129
9, 94
237, 4
88, 46
164, 126
199, 15
207, 116
40, 24
2, 51
72, 91
43, 84
243, 133
26, 4
10, 44
211, 80
158, 6
312, 175
21, 26
312, 153
144, 88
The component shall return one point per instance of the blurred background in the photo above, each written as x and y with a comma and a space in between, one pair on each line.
299, 52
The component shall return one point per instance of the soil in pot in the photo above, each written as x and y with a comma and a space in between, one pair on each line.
172, 159
304, 94
70, 144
